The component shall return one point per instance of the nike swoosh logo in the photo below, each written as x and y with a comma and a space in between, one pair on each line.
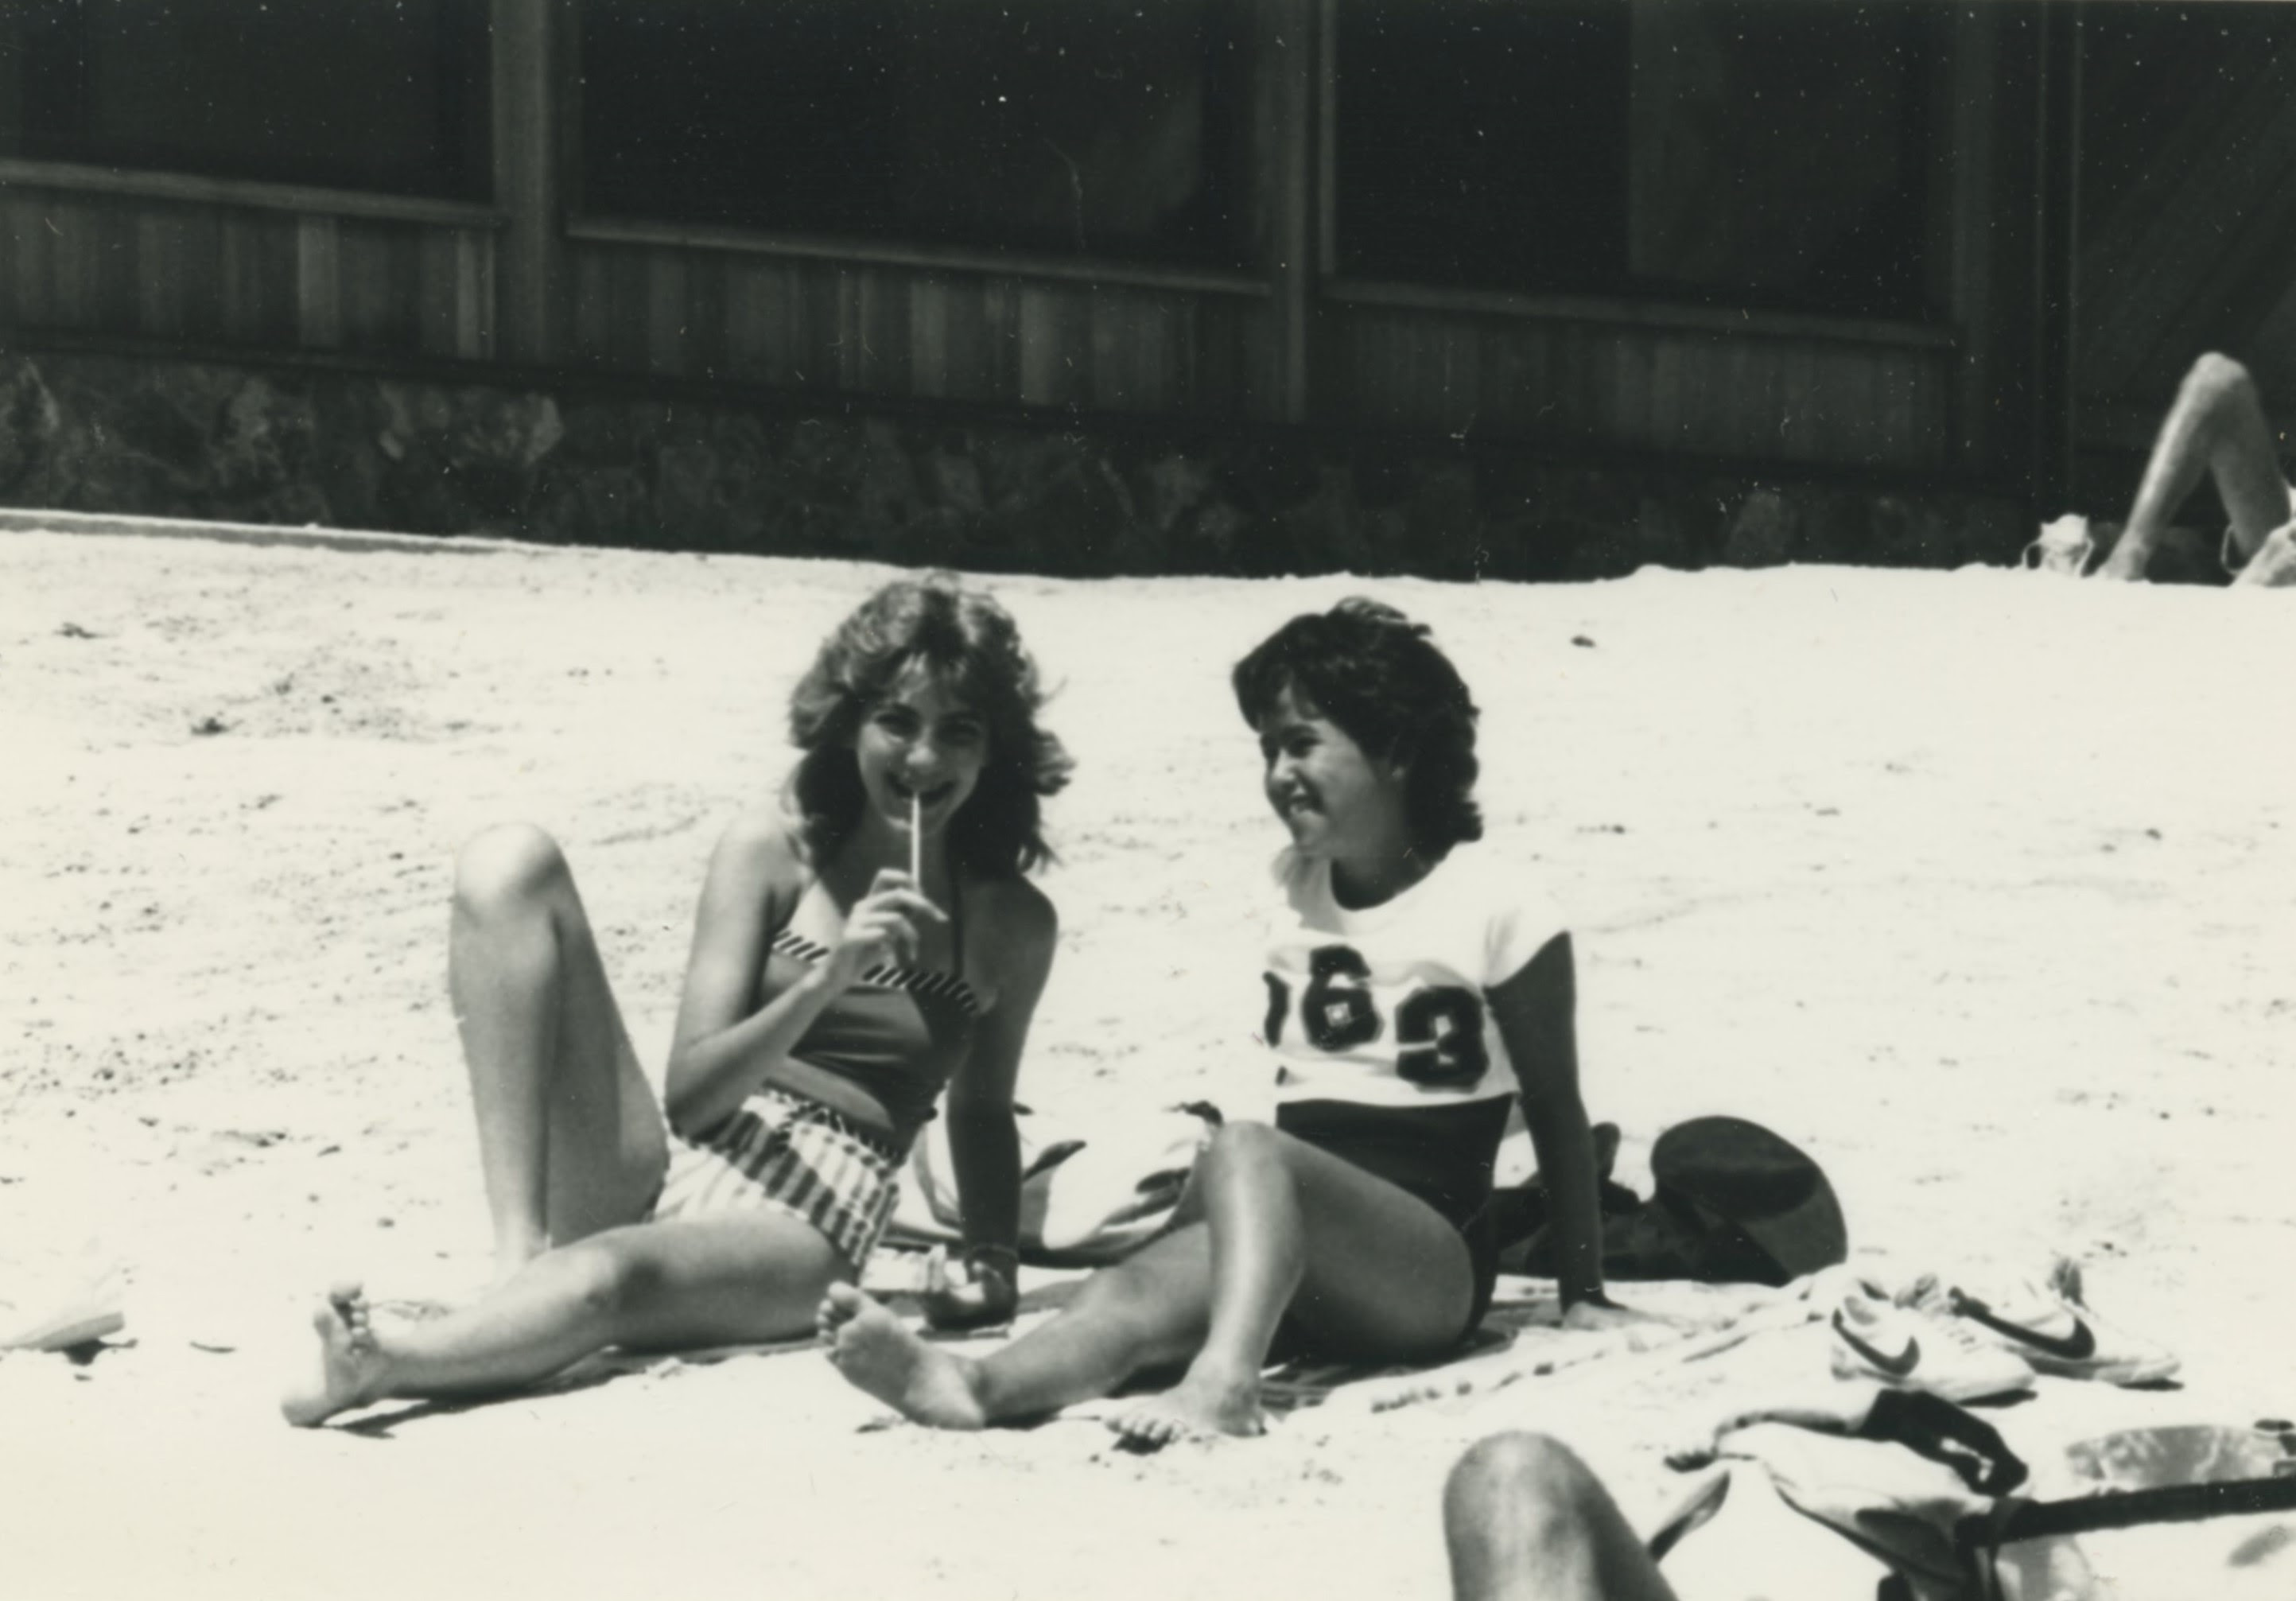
1896, 1367
2079, 1346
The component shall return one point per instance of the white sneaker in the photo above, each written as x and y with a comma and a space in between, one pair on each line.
1909, 1350
2053, 1330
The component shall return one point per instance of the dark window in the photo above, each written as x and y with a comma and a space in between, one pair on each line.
1482, 143
1075, 125
381, 94
1735, 151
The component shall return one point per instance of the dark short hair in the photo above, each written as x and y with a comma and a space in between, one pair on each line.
1382, 680
971, 643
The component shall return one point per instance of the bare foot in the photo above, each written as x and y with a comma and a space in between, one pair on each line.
514, 1252
350, 1372
1202, 1405
2274, 564
876, 1352
2127, 561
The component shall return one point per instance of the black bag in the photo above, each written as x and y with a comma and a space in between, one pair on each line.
1731, 1203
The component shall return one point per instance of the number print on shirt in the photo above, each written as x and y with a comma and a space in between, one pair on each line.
1441, 1032
1337, 1009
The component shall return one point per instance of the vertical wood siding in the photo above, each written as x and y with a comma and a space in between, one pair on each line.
169, 270
865, 329
165, 269
1772, 396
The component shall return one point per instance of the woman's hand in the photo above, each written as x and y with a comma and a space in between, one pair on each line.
979, 1290
880, 930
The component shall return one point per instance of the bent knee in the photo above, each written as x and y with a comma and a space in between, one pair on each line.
2217, 377
508, 867
1536, 1475
611, 1280
1127, 1296
1242, 1140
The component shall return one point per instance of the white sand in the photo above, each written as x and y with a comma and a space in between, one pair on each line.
1977, 884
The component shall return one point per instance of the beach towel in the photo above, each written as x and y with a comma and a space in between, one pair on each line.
1523, 1338
1087, 1195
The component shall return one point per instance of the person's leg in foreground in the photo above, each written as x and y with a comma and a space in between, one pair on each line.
1525, 1520
2217, 427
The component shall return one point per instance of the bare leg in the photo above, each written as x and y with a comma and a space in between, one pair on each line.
1365, 1269
685, 1283
1525, 1520
1379, 1276
1149, 1310
2216, 426
570, 1135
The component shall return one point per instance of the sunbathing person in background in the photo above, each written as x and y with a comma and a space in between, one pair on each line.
2217, 427
1412, 988
851, 957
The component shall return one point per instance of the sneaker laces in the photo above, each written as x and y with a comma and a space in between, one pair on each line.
1940, 1305
1958, 1333
2026, 1305
1869, 1309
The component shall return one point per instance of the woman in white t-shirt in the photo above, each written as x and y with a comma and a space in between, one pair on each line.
1414, 989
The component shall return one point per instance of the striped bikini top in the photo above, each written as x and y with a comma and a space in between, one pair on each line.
882, 1050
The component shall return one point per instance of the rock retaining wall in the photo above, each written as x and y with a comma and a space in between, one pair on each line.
175, 437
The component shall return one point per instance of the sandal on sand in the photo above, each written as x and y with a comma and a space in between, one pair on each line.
93, 1311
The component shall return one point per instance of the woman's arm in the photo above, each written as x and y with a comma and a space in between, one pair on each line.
724, 1042
1537, 1013
1021, 927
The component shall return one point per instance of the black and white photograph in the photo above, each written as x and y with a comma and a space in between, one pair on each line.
979, 799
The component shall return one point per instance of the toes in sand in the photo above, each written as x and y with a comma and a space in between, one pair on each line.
350, 1367
878, 1353
1201, 1407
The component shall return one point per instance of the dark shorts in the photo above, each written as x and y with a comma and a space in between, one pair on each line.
1442, 1154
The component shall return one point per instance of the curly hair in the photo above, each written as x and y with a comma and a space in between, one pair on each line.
971, 643
1384, 681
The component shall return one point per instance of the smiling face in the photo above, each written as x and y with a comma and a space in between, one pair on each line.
919, 740
1339, 802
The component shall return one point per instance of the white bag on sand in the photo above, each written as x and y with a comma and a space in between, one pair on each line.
2147, 1515
1087, 1195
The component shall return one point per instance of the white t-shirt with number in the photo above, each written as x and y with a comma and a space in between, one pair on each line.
1387, 1005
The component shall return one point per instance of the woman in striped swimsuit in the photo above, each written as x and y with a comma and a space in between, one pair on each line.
831, 997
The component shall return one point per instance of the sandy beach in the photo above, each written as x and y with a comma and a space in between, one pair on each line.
1979, 885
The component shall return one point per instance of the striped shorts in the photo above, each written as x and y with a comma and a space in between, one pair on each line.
787, 1153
